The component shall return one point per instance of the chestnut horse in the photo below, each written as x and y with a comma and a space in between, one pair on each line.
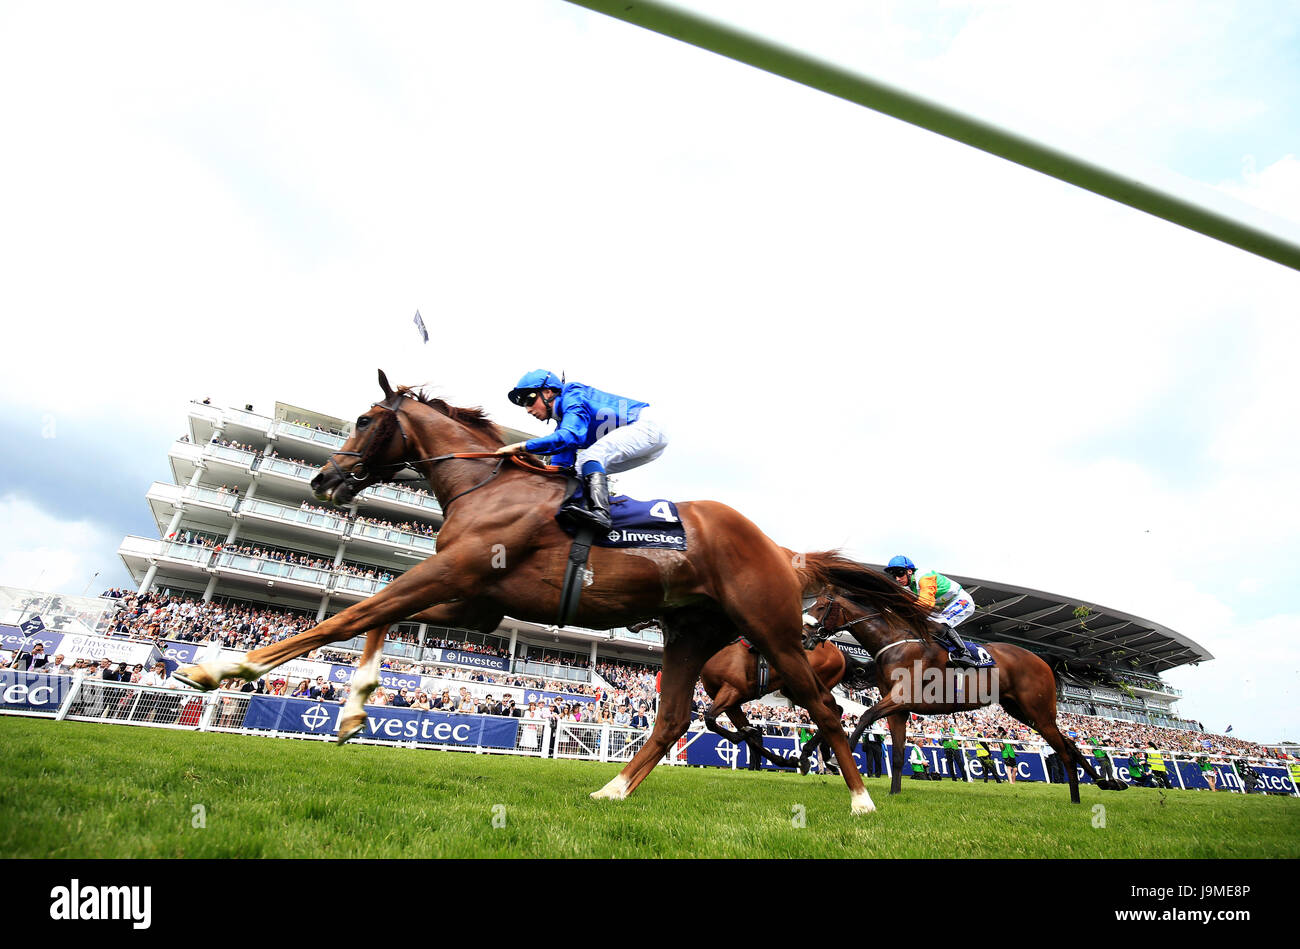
501, 551
731, 678
913, 676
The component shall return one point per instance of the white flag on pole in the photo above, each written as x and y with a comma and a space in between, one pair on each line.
419, 324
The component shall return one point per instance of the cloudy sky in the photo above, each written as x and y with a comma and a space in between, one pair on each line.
865, 335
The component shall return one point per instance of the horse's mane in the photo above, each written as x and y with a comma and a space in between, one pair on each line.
474, 418
831, 568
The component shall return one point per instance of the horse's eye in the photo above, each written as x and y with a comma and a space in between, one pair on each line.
363, 421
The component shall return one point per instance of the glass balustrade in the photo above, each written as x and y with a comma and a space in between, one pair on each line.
402, 495
392, 535
363, 585
248, 419
236, 456
550, 670
195, 553
328, 439
211, 496
650, 634
289, 468
274, 568
295, 514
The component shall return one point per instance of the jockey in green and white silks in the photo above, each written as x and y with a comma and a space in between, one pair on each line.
596, 432
948, 603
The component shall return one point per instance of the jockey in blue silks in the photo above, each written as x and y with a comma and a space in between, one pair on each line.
596, 432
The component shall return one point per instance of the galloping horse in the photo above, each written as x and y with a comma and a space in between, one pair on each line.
501, 551
910, 671
732, 678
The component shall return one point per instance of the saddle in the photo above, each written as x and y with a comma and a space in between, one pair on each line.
636, 524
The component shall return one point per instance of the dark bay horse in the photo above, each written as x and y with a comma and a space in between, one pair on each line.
501, 551
913, 675
732, 678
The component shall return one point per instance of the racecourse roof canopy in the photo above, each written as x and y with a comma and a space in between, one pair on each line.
1047, 624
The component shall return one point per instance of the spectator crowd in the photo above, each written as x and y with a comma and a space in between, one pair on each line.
619, 693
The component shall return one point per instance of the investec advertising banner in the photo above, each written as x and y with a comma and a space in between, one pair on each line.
540, 697
32, 691
76, 647
461, 658
13, 639
181, 651
342, 675
384, 724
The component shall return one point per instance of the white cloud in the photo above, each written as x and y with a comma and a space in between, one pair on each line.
42, 552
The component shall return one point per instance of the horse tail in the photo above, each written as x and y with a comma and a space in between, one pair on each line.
870, 587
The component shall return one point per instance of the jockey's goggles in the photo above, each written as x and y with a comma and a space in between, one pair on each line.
523, 397
896, 571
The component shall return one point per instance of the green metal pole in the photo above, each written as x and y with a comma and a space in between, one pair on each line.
800, 67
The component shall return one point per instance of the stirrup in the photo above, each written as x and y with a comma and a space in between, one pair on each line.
577, 515
962, 657
963, 660
594, 510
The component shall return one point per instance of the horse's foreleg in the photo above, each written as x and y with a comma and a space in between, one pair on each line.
427, 583
727, 700
364, 683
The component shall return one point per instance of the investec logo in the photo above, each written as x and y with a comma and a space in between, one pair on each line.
315, 717
103, 902
727, 751
624, 536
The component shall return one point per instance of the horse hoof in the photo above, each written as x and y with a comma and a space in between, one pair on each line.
862, 804
196, 677
349, 727
616, 790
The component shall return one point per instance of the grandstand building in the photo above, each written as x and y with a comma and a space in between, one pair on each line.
238, 522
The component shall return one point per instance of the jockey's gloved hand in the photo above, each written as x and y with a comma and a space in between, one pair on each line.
516, 449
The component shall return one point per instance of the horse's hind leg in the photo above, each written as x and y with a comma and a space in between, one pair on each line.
1044, 722
684, 656
898, 736
788, 657
754, 740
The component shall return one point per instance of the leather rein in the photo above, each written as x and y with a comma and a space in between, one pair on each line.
360, 470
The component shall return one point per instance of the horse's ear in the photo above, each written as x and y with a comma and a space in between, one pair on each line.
383, 384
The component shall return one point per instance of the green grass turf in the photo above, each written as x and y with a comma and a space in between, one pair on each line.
70, 789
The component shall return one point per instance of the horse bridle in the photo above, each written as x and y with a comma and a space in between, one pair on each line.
360, 472
824, 630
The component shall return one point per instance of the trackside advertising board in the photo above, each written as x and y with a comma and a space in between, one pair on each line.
384, 723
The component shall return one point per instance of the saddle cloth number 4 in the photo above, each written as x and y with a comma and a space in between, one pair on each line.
662, 510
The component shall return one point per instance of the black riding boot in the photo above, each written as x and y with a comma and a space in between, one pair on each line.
596, 510
859, 673
962, 658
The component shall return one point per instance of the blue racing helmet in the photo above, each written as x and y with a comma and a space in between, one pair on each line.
533, 382
900, 563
